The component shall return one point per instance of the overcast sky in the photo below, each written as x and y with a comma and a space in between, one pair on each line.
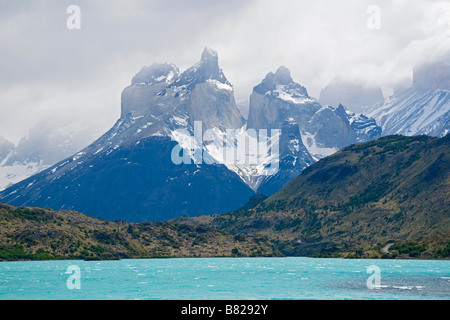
48, 72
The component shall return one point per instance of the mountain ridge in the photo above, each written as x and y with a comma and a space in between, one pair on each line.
351, 204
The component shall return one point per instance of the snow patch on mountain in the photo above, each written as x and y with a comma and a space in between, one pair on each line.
17, 172
247, 153
220, 85
292, 96
317, 151
414, 112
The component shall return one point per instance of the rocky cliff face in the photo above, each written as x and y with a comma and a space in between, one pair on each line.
336, 128
278, 98
143, 96
309, 130
159, 93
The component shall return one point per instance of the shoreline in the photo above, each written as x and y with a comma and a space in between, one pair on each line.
227, 257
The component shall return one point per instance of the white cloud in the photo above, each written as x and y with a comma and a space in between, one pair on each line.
48, 70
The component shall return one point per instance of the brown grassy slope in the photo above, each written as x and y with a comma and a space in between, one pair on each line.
35, 233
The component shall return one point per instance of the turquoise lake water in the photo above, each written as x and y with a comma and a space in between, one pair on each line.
226, 279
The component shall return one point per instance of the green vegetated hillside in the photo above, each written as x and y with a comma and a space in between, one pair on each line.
42, 234
386, 198
357, 201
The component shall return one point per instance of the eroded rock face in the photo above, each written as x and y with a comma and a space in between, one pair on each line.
201, 93
145, 95
309, 130
278, 98
338, 128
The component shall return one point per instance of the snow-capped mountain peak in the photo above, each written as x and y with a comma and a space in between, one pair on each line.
210, 55
206, 69
156, 73
280, 85
156, 105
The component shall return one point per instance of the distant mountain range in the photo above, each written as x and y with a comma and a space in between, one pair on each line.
129, 173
